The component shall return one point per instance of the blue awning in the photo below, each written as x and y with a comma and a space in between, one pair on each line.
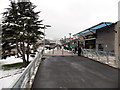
101, 25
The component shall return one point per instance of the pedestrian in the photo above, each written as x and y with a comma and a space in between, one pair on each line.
75, 50
79, 51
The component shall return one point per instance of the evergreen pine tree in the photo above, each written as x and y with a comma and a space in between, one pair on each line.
21, 30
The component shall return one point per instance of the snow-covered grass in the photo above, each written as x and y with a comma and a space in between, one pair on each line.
48, 51
10, 60
8, 76
6, 82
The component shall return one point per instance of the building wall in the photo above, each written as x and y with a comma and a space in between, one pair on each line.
117, 38
0, 40
119, 11
105, 37
82, 40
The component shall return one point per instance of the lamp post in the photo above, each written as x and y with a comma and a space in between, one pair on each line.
70, 35
65, 39
69, 41
45, 27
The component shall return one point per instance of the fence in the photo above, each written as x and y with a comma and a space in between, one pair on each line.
25, 79
109, 58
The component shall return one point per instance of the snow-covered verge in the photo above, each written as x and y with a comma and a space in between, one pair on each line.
6, 82
48, 51
7, 77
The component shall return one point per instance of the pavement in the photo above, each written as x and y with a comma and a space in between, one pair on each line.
72, 71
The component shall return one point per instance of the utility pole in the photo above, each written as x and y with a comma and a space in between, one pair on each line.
65, 39
69, 41
70, 35
45, 27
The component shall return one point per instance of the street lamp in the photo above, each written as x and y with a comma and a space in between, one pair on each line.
45, 27
69, 41
70, 35
65, 39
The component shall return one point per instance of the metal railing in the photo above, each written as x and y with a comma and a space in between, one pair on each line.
109, 58
26, 78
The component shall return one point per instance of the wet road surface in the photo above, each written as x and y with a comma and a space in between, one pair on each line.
74, 72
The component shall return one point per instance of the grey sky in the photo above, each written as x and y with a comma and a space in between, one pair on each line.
72, 16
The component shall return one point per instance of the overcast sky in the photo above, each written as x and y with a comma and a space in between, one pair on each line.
72, 16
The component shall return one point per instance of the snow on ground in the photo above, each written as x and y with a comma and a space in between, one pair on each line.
6, 82
7, 73
10, 60
48, 51
7, 77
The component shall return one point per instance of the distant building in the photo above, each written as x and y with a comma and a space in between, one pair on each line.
100, 37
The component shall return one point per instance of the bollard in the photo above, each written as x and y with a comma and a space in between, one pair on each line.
106, 55
62, 51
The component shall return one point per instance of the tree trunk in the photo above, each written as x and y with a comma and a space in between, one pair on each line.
17, 47
28, 51
22, 47
24, 61
24, 52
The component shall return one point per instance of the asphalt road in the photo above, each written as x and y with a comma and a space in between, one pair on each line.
74, 72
